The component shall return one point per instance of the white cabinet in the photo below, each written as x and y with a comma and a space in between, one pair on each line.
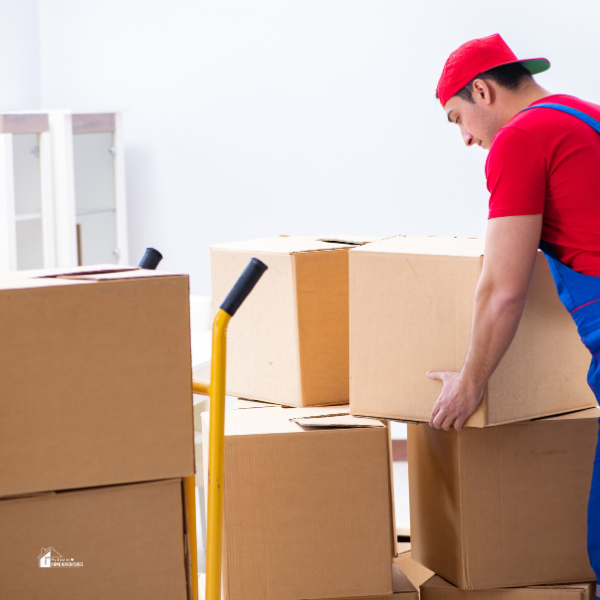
62, 190
89, 188
27, 237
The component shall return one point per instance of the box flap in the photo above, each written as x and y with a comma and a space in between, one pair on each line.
116, 275
337, 421
22, 284
275, 419
57, 272
288, 245
434, 246
405, 421
354, 240
400, 582
242, 403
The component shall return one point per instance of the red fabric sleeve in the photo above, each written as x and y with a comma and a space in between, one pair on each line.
516, 174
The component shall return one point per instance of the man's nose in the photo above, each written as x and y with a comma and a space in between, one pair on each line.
468, 139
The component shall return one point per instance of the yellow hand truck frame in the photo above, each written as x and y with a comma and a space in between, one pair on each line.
215, 389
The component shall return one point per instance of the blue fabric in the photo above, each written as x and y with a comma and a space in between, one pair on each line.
581, 296
570, 111
586, 314
594, 516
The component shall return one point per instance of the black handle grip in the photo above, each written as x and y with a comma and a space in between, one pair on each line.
244, 285
151, 259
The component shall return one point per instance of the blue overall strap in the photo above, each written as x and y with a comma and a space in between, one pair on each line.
570, 111
579, 293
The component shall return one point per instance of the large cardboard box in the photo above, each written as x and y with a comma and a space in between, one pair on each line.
308, 505
402, 588
118, 542
411, 305
438, 589
288, 343
504, 506
96, 379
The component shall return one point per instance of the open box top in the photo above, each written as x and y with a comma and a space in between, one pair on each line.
296, 244
428, 246
66, 276
270, 420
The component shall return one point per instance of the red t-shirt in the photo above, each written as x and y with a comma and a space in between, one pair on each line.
544, 161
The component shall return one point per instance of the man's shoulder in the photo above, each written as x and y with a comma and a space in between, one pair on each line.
538, 121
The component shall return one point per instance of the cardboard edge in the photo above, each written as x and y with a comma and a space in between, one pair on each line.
343, 246
129, 275
91, 271
392, 497
329, 422
366, 248
187, 553
386, 418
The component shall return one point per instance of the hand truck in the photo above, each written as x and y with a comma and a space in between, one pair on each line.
215, 389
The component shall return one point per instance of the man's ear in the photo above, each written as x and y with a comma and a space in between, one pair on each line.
482, 92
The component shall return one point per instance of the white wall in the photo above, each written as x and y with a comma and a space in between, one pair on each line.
249, 119
20, 85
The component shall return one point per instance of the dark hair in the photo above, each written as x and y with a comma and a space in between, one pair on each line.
510, 76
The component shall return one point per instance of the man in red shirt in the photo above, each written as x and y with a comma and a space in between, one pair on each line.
543, 175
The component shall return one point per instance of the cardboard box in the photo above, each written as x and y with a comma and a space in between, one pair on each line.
438, 589
411, 305
402, 588
288, 343
119, 542
308, 510
96, 379
504, 506
417, 574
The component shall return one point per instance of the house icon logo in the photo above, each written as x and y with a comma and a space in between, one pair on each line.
49, 557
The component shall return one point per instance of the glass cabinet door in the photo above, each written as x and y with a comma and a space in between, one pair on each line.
95, 198
28, 201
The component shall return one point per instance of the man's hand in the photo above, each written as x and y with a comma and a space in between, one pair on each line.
510, 251
456, 403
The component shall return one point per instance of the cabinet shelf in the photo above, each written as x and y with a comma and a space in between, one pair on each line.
84, 212
28, 217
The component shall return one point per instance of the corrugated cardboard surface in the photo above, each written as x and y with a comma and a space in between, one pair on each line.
288, 343
504, 506
411, 304
402, 588
438, 589
307, 511
130, 539
417, 574
95, 382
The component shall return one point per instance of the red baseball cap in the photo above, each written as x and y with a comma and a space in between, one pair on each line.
477, 56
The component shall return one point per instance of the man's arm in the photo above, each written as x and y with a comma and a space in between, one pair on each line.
510, 251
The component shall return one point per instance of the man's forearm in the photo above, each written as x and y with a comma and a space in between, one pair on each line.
496, 316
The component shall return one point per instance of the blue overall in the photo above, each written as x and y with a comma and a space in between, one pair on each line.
581, 296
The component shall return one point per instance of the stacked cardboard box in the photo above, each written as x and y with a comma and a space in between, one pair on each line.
499, 505
308, 500
308, 505
491, 507
96, 434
